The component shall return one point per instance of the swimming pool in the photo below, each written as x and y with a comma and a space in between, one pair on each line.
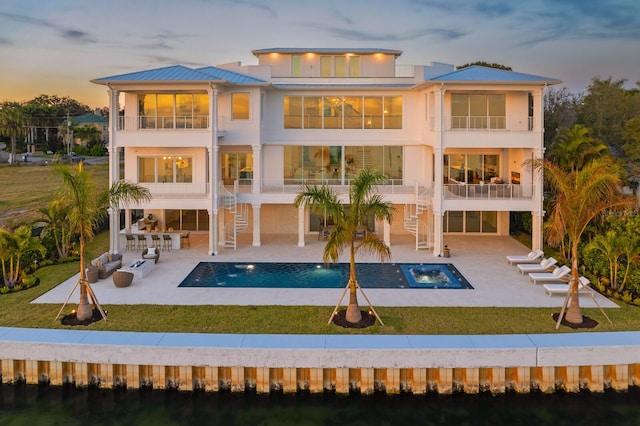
319, 275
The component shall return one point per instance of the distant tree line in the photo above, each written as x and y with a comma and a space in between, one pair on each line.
41, 121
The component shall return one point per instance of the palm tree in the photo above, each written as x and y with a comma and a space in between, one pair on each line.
85, 210
55, 216
12, 247
363, 202
579, 196
610, 245
575, 147
12, 125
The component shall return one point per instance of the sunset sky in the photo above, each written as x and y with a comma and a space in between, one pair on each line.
55, 47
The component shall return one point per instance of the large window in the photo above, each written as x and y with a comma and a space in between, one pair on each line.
187, 220
478, 111
337, 165
240, 106
173, 111
342, 112
237, 166
165, 169
470, 168
470, 222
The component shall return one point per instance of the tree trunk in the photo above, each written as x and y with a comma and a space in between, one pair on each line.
573, 314
84, 308
353, 314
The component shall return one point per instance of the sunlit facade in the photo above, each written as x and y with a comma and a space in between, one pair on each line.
224, 150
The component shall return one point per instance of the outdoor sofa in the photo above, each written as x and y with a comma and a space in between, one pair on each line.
107, 263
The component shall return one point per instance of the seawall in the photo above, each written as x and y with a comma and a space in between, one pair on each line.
318, 363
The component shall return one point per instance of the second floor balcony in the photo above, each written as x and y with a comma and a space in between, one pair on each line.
487, 191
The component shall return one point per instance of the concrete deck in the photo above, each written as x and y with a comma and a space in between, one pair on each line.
480, 259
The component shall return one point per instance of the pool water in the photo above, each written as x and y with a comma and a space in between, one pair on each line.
319, 275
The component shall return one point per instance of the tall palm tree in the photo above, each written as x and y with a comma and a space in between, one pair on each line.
12, 125
578, 197
85, 210
363, 201
575, 147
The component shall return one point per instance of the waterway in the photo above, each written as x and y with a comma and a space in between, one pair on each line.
49, 405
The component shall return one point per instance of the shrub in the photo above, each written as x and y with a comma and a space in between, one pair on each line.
96, 151
4, 289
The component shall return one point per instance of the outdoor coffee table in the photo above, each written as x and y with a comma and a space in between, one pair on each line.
139, 267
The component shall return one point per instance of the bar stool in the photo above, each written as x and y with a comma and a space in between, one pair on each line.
156, 241
167, 242
142, 242
131, 243
184, 239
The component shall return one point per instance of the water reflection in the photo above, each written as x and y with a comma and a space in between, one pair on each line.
33, 405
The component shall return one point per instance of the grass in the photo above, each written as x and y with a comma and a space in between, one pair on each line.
17, 311
25, 189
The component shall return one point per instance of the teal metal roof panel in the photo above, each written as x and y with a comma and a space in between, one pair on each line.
90, 118
172, 73
230, 76
476, 73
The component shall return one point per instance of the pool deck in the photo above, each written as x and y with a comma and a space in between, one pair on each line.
480, 259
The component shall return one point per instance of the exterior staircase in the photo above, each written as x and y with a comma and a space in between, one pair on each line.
236, 215
412, 222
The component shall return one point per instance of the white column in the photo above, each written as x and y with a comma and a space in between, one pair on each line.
438, 235
438, 191
212, 152
256, 185
537, 227
301, 229
114, 168
213, 232
256, 225
127, 219
386, 232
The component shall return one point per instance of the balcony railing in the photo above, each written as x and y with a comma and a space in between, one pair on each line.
177, 190
485, 123
163, 122
291, 185
488, 191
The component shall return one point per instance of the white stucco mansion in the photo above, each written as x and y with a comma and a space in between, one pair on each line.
224, 149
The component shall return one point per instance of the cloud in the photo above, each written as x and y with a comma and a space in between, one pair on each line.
263, 7
352, 34
64, 32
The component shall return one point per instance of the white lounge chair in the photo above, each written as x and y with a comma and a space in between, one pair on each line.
543, 266
533, 257
583, 287
557, 276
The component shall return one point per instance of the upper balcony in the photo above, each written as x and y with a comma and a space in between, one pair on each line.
168, 122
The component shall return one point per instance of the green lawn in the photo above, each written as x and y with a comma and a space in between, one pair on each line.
17, 311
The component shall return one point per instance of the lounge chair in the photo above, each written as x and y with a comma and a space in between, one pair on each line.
544, 266
533, 257
583, 287
557, 276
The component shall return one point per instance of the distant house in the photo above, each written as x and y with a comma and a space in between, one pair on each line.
97, 121
225, 149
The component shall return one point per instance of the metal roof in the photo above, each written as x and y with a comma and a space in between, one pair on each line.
326, 50
477, 73
172, 73
90, 118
